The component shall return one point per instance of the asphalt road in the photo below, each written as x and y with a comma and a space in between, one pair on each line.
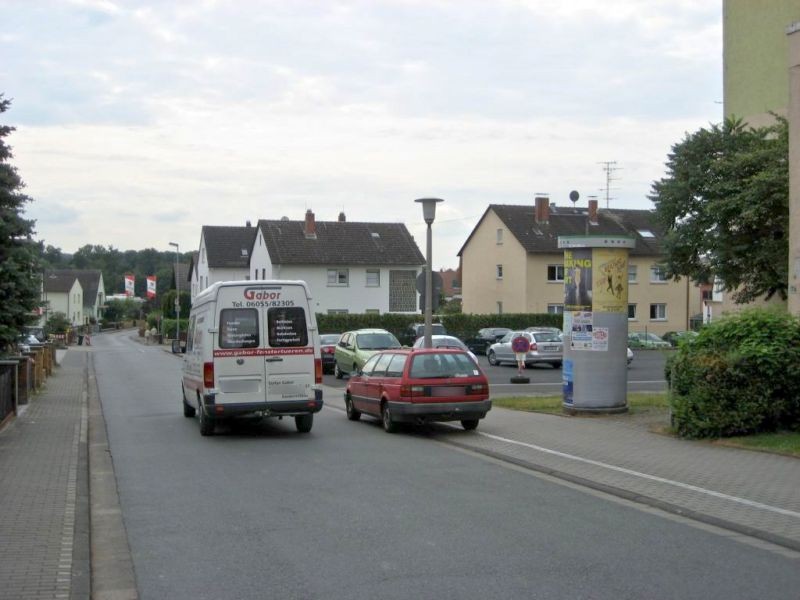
348, 511
645, 374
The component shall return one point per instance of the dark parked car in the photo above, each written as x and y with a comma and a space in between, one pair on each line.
485, 338
418, 386
415, 331
327, 346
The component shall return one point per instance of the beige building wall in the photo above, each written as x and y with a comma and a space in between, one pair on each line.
794, 169
481, 289
680, 299
540, 293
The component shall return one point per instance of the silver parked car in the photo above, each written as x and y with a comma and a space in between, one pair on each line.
546, 347
446, 341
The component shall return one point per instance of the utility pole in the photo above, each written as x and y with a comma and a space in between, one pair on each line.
609, 166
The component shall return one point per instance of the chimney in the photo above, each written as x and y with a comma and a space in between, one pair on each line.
542, 209
248, 224
593, 211
311, 225
342, 218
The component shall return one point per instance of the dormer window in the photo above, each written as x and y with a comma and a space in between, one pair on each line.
645, 233
244, 251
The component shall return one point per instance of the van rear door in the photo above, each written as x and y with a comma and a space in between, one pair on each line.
238, 354
290, 356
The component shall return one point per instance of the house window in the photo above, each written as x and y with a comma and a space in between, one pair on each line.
658, 312
337, 311
555, 309
203, 255
555, 273
372, 311
657, 274
631, 312
263, 273
338, 277
373, 278
499, 272
499, 237
631, 273
499, 308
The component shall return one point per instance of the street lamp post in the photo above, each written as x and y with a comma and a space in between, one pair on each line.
429, 214
177, 297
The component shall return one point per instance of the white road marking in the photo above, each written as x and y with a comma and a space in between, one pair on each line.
679, 484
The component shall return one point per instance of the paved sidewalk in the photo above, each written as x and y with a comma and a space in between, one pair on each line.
43, 502
754, 493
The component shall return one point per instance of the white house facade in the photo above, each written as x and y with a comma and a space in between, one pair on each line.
63, 293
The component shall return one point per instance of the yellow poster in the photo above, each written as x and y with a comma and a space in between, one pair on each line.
610, 293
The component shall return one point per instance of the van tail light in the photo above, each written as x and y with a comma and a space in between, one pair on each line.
534, 347
208, 375
409, 391
317, 370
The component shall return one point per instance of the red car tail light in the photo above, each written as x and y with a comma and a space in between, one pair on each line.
208, 375
327, 350
478, 388
317, 370
408, 391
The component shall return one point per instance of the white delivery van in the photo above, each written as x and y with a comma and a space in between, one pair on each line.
252, 350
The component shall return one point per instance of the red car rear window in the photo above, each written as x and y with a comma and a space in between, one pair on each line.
436, 365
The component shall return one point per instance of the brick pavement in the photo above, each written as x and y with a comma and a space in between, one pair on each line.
39, 490
754, 493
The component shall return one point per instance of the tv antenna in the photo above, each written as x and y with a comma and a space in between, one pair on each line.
610, 167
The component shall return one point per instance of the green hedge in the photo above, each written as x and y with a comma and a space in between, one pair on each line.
460, 325
169, 327
740, 375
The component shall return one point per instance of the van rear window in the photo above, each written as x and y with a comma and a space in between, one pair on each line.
238, 328
286, 327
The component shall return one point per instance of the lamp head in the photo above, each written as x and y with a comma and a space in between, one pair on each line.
174, 245
429, 208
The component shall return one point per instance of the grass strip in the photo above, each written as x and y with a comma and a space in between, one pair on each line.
637, 401
781, 442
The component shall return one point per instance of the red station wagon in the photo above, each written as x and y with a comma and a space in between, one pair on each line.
418, 386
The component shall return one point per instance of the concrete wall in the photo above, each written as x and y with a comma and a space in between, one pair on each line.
794, 169
755, 47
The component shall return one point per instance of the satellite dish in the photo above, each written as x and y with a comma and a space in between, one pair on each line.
573, 196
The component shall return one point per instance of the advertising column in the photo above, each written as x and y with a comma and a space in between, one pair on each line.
594, 374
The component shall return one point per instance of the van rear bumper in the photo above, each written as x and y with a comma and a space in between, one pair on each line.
440, 411
263, 409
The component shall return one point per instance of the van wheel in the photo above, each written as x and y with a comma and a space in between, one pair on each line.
492, 358
389, 426
206, 422
304, 422
469, 424
352, 413
337, 371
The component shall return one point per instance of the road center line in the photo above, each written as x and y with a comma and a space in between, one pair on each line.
685, 486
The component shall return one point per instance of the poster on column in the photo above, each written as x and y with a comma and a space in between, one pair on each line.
129, 289
151, 287
581, 330
610, 286
578, 279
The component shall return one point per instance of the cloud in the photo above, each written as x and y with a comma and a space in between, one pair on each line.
147, 120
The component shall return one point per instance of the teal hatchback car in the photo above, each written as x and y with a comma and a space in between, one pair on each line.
355, 347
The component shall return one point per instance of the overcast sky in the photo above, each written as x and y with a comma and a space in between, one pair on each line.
138, 122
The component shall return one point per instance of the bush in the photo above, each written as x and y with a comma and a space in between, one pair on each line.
153, 318
460, 325
57, 323
740, 375
170, 326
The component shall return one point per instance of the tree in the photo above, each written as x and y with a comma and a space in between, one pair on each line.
725, 206
20, 277
168, 304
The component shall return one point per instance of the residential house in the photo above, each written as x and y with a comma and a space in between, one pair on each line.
94, 293
62, 292
511, 263
224, 255
350, 267
451, 283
